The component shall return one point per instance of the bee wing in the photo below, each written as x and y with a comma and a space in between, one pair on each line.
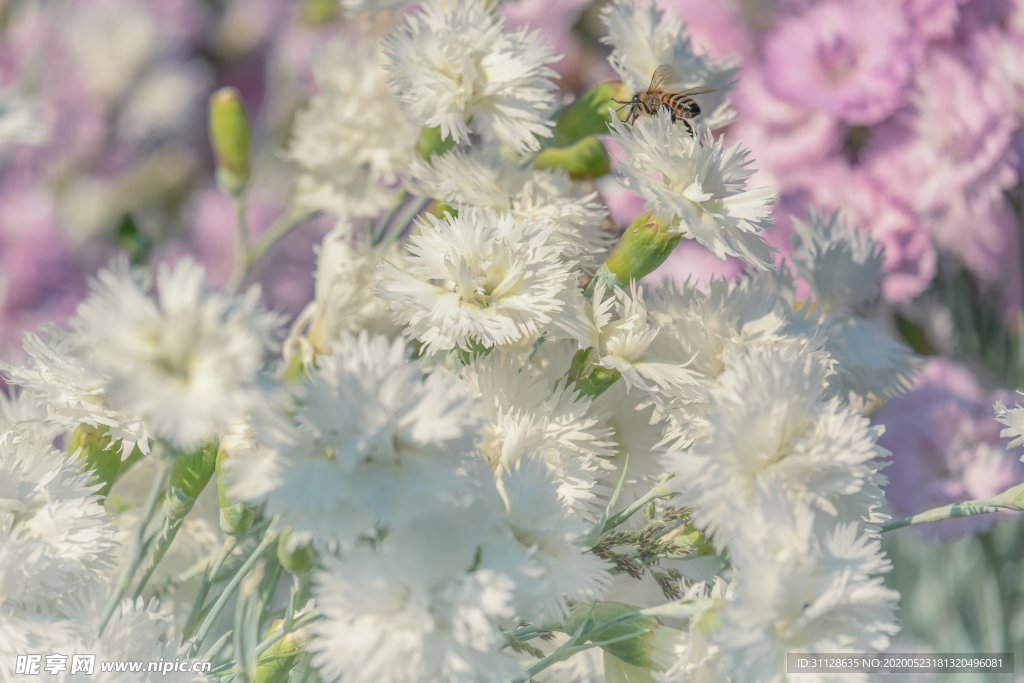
699, 90
661, 74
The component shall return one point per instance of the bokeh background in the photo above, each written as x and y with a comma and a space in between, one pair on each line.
905, 115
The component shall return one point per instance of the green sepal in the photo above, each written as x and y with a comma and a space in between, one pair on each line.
190, 473
276, 663
591, 113
641, 248
582, 160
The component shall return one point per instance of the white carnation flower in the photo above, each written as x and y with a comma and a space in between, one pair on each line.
559, 570
719, 322
713, 327
347, 273
56, 539
418, 607
526, 414
483, 277
697, 187
626, 339
185, 358
870, 363
481, 178
643, 37
1013, 418
842, 267
137, 631
352, 141
771, 431
796, 591
370, 439
454, 67
61, 379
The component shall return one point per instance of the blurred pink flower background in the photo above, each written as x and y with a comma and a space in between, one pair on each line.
904, 115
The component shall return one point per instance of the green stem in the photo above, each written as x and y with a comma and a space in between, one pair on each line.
229, 589
209, 576
243, 251
139, 546
247, 257
299, 594
168, 532
660, 490
1010, 500
289, 220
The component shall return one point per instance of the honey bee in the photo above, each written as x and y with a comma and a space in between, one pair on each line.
680, 105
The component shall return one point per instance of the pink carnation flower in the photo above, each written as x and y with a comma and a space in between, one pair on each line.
964, 127
779, 134
852, 59
718, 28
946, 447
933, 19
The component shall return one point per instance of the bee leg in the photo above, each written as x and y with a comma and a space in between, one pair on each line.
671, 113
689, 128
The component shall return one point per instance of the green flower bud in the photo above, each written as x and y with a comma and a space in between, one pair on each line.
235, 518
190, 473
584, 159
643, 246
229, 134
318, 12
431, 143
591, 113
639, 640
296, 560
93, 448
276, 663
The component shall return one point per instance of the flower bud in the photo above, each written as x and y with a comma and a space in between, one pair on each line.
276, 663
431, 143
190, 474
297, 560
643, 246
590, 113
582, 160
318, 12
229, 135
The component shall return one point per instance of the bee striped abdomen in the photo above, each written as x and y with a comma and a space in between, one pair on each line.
683, 106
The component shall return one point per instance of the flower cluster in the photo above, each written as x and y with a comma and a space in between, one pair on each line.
488, 449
